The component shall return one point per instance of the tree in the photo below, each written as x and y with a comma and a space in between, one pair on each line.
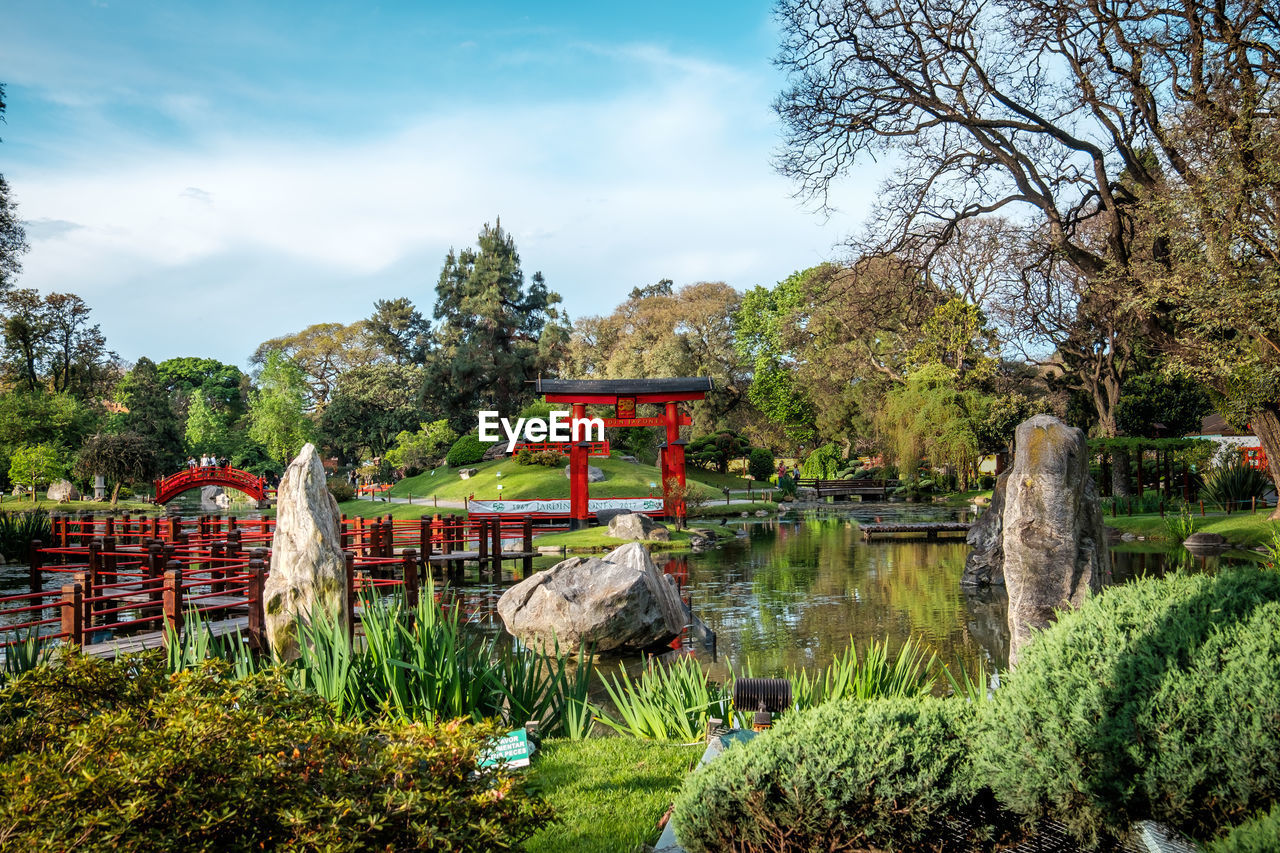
148, 414
717, 450
417, 451
399, 330
1156, 405
13, 239
1012, 109
323, 352
223, 386
762, 337
121, 458
277, 419
496, 333
206, 430
37, 464
49, 342
370, 406
664, 331
28, 418
931, 417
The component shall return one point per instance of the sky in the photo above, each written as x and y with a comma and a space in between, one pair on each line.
209, 175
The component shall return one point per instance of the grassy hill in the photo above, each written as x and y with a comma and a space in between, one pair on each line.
622, 480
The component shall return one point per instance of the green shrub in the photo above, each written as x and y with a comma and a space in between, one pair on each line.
1234, 485
549, 459
849, 775
760, 463
341, 490
524, 456
1259, 834
467, 450
129, 759
822, 463
1158, 699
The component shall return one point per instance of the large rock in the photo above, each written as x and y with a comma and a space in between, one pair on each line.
467, 473
62, 490
497, 450
985, 564
637, 526
594, 474
1055, 545
308, 569
618, 602
213, 497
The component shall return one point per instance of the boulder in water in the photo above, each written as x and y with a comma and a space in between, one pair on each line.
985, 564
618, 602
637, 526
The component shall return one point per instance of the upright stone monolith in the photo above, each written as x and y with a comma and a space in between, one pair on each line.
1055, 546
308, 569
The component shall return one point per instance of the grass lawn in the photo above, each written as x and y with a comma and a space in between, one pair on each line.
18, 504
622, 480
718, 481
1240, 528
598, 539
720, 510
372, 509
608, 792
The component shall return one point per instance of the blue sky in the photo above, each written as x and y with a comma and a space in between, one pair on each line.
210, 175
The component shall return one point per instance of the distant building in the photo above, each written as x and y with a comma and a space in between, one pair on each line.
1216, 429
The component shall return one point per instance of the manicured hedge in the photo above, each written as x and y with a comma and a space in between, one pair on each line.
467, 450
875, 774
1158, 699
122, 757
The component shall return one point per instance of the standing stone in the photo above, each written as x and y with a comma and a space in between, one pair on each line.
62, 490
985, 564
1055, 545
308, 569
616, 602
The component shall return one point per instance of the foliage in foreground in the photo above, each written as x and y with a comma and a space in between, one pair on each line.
18, 529
849, 775
1159, 699
1260, 834
122, 755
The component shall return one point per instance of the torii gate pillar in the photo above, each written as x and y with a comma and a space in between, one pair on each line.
579, 500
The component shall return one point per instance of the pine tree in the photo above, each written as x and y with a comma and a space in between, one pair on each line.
150, 415
495, 333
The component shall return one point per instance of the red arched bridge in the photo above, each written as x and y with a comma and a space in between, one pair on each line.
170, 487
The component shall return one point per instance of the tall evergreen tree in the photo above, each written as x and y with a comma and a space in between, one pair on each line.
495, 332
150, 415
277, 419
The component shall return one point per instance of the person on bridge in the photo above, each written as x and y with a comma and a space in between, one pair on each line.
191, 463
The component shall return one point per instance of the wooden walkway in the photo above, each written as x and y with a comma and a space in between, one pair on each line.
931, 529
155, 639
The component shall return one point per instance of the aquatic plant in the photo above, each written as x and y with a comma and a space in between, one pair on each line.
666, 701
19, 529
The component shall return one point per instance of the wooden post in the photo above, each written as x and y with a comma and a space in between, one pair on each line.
360, 536
257, 616
155, 571
424, 535
481, 528
344, 533
36, 560
217, 567
349, 579
175, 525
389, 537
86, 594
496, 550
72, 614
526, 543
173, 595
411, 577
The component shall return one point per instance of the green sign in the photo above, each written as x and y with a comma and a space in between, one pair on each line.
513, 748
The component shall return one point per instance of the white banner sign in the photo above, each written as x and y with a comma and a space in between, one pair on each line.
561, 507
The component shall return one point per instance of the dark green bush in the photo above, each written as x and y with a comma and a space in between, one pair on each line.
760, 463
549, 458
524, 456
121, 757
1158, 699
1260, 834
467, 450
1235, 485
341, 490
848, 775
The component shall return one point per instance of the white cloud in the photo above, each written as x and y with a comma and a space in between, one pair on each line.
601, 195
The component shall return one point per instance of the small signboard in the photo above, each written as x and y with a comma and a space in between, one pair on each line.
512, 748
626, 407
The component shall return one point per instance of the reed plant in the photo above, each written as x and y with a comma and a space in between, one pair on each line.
1180, 526
27, 652
671, 702
19, 529
550, 688
874, 674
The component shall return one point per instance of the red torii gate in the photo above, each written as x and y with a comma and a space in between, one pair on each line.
624, 395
